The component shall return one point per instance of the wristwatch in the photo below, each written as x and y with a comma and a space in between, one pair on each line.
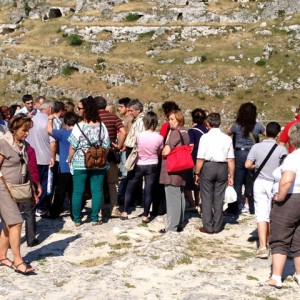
196, 174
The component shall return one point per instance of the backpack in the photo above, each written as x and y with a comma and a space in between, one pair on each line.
95, 156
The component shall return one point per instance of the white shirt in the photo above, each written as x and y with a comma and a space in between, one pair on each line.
22, 110
215, 146
292, 163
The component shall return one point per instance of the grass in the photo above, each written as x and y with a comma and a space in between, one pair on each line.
100, 244
184, 260
130, 286
154, 257
94, 262
249, 277
65, 231
120, 246
123, 238
244, 255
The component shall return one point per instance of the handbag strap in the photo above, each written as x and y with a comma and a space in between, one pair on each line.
198, 130
89, 142
181, 137
265, 161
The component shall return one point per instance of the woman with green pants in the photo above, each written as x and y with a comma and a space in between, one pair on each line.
89, 131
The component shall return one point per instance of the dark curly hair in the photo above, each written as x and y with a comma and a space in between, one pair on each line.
91, 113
246, 117
169, 106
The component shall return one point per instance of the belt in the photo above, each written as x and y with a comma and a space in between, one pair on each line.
216, 162
242, 149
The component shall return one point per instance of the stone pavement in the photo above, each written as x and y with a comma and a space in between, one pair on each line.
128, 259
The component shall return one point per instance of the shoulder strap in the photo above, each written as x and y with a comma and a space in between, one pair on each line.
265, 160
181, 138
89, 142
198, 130
100, 134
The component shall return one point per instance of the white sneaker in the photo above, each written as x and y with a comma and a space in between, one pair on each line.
245, 209
40, 213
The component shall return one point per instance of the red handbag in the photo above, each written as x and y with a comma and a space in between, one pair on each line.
180, 158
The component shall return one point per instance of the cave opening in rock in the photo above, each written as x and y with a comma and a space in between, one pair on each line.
54, 13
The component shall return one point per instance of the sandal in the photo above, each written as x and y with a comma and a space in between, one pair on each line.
162, 230
97, 223
28, 269
10, 265
274, 282
146, 220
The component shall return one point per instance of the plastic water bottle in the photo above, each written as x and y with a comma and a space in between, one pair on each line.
50, 181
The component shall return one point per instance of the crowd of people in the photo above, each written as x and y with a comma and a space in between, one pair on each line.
66, 151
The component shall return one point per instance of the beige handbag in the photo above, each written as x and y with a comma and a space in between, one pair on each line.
131, 159
19, 192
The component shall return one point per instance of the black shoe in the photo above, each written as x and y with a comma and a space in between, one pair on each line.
34, 243
179, 229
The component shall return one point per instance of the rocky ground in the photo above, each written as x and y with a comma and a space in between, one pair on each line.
122, 259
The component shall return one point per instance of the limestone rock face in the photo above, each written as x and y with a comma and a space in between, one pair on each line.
176, 37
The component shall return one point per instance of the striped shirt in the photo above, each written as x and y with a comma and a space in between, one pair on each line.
112, 123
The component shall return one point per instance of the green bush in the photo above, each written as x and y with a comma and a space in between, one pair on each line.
261, 63
27, 8
203, 58
132, 17
75, 39
68, 70
146, 34
100, 60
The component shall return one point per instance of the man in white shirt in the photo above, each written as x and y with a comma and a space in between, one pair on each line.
214, 170
27, 109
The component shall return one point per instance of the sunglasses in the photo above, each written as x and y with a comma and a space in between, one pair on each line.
79, 108
22, 161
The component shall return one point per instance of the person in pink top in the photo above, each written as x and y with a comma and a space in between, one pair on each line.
149, 144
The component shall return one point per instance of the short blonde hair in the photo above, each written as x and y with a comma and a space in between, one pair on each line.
294, 135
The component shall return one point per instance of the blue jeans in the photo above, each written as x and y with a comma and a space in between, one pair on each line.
149, 172
96, 177
240, 172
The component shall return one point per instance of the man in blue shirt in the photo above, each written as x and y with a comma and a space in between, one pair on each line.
64, 182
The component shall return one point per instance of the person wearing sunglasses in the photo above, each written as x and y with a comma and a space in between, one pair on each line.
13, 155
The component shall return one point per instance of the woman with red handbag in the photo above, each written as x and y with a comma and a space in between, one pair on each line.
174, 181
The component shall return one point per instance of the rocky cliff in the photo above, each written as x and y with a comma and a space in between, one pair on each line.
213, 54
